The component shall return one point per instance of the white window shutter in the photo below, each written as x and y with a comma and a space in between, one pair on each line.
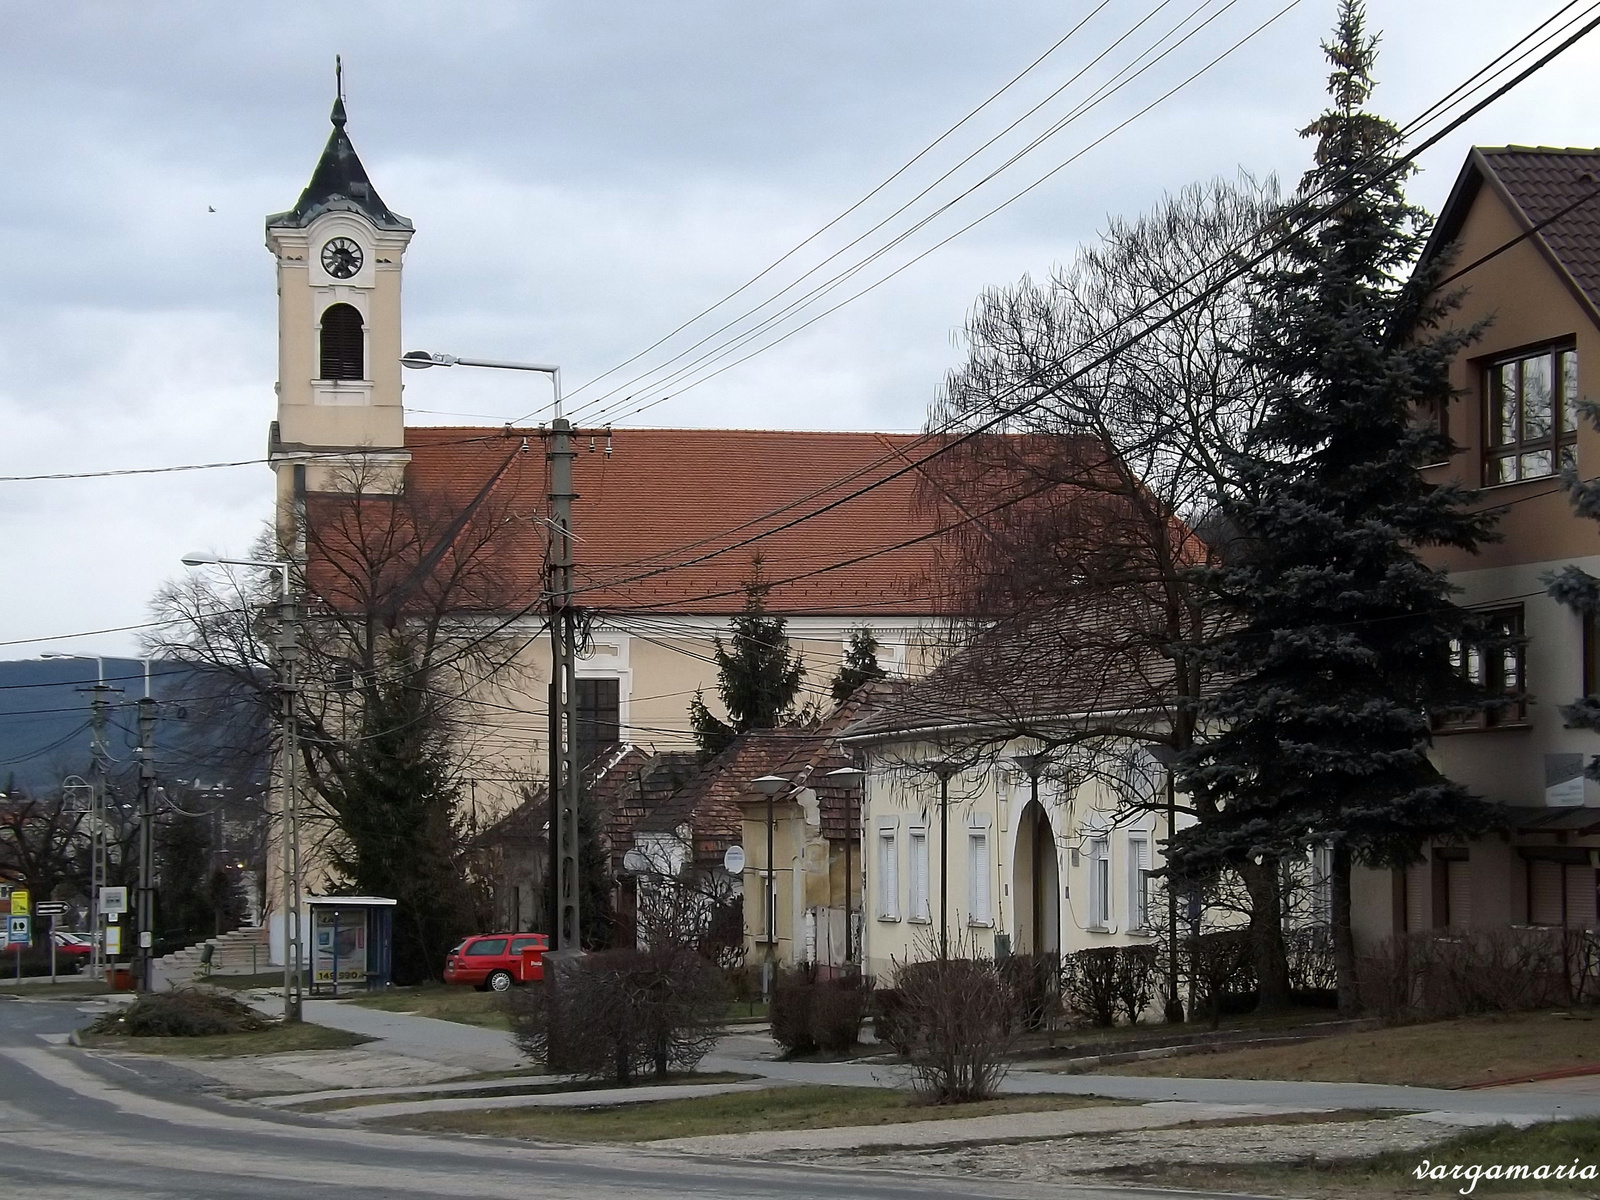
888, 876
978, 876
1138, 872
919, 875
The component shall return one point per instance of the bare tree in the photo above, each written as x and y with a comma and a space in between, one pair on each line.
1085, 473
409, 597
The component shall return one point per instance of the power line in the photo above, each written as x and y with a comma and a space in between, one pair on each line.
1237, 271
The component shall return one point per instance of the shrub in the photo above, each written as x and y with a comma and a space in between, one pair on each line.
1136, 971
889, 1019
1446, 973
183, 1012
1035, 982
793, 996
837, 1009
606, 1014
960, 1019
1223, 971
1089, 984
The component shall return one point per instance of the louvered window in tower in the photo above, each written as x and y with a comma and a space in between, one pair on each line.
343, 355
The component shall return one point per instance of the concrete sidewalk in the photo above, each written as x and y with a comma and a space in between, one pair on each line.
450, 1043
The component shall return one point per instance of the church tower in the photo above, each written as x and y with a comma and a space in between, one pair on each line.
339, 252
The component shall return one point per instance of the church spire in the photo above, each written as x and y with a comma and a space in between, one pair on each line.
339, 181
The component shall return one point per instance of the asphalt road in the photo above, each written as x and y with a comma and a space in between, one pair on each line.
78, 1125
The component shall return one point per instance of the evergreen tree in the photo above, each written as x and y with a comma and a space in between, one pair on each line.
1338, 634
1580, 591
758, 674
398, 804
860, 664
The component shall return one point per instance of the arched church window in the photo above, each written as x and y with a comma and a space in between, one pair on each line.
343, 355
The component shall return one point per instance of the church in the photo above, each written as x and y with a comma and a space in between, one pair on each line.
668, 525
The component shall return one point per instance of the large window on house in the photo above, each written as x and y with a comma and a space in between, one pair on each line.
343, 345
599, 718
1532, 415
1498, 667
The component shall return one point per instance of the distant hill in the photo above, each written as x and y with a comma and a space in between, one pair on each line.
45, 722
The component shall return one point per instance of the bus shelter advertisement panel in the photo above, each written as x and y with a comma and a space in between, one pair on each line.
340, 952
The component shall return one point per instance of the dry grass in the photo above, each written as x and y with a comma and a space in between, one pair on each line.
274, 1040
513, 1088
443, 1002
1392, 1174
739, 1112
1446, 1054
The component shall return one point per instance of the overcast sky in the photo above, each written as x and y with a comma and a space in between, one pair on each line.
583, 178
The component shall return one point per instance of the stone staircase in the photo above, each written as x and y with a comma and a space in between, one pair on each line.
242, 952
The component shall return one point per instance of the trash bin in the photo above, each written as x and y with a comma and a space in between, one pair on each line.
121, 977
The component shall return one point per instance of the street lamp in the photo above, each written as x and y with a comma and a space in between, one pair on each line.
858, 777
563, 769
288, 648
1167, 756
944, 768
769, 786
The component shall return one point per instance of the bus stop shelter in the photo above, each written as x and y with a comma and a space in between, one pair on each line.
352, 943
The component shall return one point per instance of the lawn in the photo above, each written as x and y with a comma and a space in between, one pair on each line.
1446, 1054
444, 1002
274, 1040
1552, 1144
808, 1107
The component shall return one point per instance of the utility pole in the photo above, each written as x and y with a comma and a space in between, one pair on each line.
97, 814
563, 764
287, 647
288, 658
566, 931
147, 816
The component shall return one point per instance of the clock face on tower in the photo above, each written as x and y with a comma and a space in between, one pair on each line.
341, 258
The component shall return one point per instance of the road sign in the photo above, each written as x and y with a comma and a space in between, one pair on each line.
733, 860
19, 931
19, 902
51, 908
113, 900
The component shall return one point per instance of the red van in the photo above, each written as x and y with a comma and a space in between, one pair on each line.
493, 961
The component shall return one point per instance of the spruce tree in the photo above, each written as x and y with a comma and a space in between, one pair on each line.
860, 664
758, 674
1338, 634
1580, 591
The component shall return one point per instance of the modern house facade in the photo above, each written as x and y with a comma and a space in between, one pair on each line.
1526, 228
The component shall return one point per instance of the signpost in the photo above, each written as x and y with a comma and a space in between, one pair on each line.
51, 909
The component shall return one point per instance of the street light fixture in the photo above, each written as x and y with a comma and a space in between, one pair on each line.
564, 767
769, 786
288, 658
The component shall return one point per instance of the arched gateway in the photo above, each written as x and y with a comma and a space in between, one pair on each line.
1036, 884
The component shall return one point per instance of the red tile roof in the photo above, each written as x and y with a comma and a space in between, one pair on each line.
660, 518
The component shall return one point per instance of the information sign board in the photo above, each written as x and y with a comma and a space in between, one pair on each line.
113, 901
19, 902
19, 931
113, 940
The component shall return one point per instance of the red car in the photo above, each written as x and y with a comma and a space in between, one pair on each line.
493, 961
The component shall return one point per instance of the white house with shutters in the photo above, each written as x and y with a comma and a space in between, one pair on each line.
1003, 854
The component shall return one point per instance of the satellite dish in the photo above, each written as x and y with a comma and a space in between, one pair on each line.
733, 860
635, 863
